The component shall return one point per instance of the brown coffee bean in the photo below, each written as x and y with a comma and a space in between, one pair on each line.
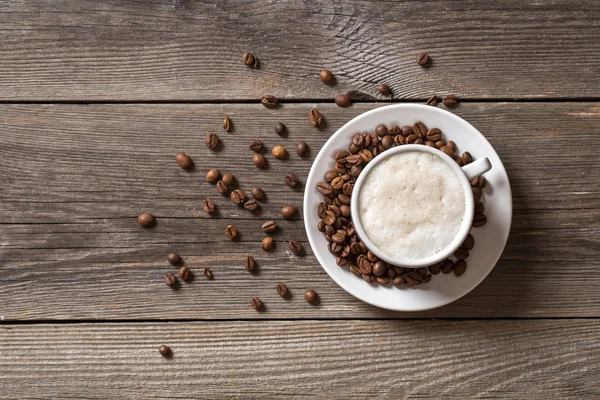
452, 145
411, 139
250, 60
422, 271
249, 263
419, 141
338, 238
329, 217
267, 243
434, 134
165, 351
282, 290
460, 267
258, 193
222, 187
345, 209
185, 273
184, 161
279, 152
311, 296
343, 100
379, 268
479, 182
469, 242
400, 270
365, 266
407, 130
326, 77
448, 151
321, 208
449, 100
365, 155
422, 58
479, 207
288, 211
213, 175
208, 274
256, 146
432, 101
427, 278
387, 142
291, 180
314, 117
399, 140
302, 149
211, 140
439, 144
459, 161
295, 247
430, 144
384, 90
269, 226
447, 266
280, 128
174, 258
419, 129
355, 171
358, 140
269, 101
343, 199
251, 205
237, 196
227, 124
435, 268
477, 193
169, 279
398, 281
146, 220
381, 130
348, 188
324, 188
231, 232
341, 261
208, 206
479, 220
259, 160
390, 273
413, 277
461, 253
256, 303
354, 269
466, 158
382, 280
337, 183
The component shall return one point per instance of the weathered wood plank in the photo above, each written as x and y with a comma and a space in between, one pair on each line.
537, 359
140, 50
74, 178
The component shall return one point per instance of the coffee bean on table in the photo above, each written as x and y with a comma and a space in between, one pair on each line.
379, 268
237, 196
165, 351
381, 130
267, 243
460, 267
222, 187
184, 161
251, 205
301, 149
146, 220
280, 128
227, 179
314, 117
256, 146
269, 226
208, 274
288, 211
435, 268
279, 152
343, 100
447, 266
311, 296
169, 279
174, 258
231, 232
461, 253
282, 290
211, 140
208, 206
422, 58
185, 273
213, 175
384, 90
256, 303
259, 160
227, 124
269, 101
295, 247
249, 263
250, 60
469, 242
258, 193
432, 101
449, 100
326, 77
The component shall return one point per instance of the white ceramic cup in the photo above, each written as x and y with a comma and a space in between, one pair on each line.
464, 174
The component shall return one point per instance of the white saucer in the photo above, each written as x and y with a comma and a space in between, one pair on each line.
489, 239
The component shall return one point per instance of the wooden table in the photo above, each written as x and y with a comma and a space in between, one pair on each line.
98, 97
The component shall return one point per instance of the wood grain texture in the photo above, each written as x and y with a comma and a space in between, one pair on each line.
184, 50
330, 359
74, 178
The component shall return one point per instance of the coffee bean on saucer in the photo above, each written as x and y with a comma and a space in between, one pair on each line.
279, 152
469, 242
314, 117
288, 211
174, 258
439, 144
280, 128
222, 187
427, 278
269, 101
291, 180
398, 281
295, 247
256, 303
459, 160
391, 273
435, 268
382, 280
165, 351
343, 100
387, 141
477, 193
460, 267
311, 296
432, 101
384, 90
479, 182
434, 134
237, 196
466, 158
381, 130
251, 205
169, 279
413, 277
249, 263
184, 161
341, 261
479, 220
422, 271
259, 160
430, 144
354, 269
301, 149
422, 58
250, 60
231, 232
256, 146
379, 268
447, 266
449, 100
325, 188
420, 129
451, 145
146, 220
185, 273
267, 243
213, 175
448, 151
282, 290
326, 77
269, 226
208, 206
211, 140
399, 140
461, 253
258, 193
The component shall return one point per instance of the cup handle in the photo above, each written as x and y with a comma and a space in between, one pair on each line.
477, 167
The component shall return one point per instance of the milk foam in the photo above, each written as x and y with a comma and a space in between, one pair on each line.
412, 205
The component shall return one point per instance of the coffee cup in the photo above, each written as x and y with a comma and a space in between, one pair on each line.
417, 204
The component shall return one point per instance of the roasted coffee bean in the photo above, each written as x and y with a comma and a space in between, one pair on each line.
447, 266
355, 270
336, 210
452, 145
329, 217
422, 58
146, 220
256, 303
353, 149
321, 208
256, 146
280, 128
269, 101
340, 169
355, 248
400, 270
365, 266
407, 130
460, 267
291, 180
184, 161
434, 134
381, 130
387, 142
267, 243
302, 149
343, 100
371, 256
208, 274
282, 290
343, 199
413, 277
479, 182
430, 144
449, 100
169, 279
382, 280
459, 160
355, 159
365, 155
379, 268
420, 129
391, 273
469, 242
329, 176
165, 351
448, 151
439, 144
358, 140
355, 171
477, 193
466, 158
208, 206
288, 211
337, 183
279, 152
211, 140
222, 187
368, 278
384, 90
213, 175
419, 141
461, 253
422, 271
259, 160
399, 140
185, 273
324, 188
479, 220
432, 101
314, 117
411, 139
427, 278
311, 296
295, 247
258, 193
174, 258
435, 268
398, 281
338, 238
251, 205
227, 124
269, 226
231, 232
326, 77
250, 60
227, 179
237, 196
321, 225
394, 130
327, 199
348, 188
345, 210
249, 263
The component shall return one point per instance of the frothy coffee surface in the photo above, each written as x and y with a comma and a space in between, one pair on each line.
411, 205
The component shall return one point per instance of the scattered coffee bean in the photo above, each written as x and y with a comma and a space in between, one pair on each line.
174, 258
448, 151
447, 266
406, 131
208, 274
460, 267
291, 180
279, 152
449, 100
208, 206
479, 182
288, 211
227, 179
259, 160
451, 145
213, 175
258, 193
282, 290
280, 128
146, 220
435, 268
256, 303
469, 242
419, 129
311, 296
384, 90
461, 253
314, 117
301, 149
250, 60
295, 247
379, 268
256, 146
227, 124
479, 220
169, 279
222, 187
343, 100
211, 140
466, 158
185, 273
237, 196
326, 77
269, 226
267, 243
432, 101
476, 192
434, 134
381, 130
251, 205
422, 58
231, 232
269, 101
184, 161
165, 351
398, 281
249, 263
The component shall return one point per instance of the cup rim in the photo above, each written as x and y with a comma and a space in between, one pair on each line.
460, 237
